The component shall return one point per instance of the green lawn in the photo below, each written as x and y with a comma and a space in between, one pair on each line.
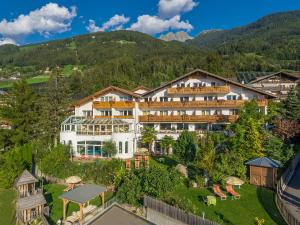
7, 206
254, 202
52, 193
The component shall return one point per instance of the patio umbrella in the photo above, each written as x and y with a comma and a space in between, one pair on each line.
234, 181
73, 180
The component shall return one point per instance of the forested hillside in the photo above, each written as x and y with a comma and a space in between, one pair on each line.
275, 36
128, 59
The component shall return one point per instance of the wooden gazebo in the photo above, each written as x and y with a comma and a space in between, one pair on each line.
25, 184
81, 196
31, 202
263, 171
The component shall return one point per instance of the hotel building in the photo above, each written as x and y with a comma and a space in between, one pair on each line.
197, 101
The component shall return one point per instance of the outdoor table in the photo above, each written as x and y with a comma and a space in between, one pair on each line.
211, 200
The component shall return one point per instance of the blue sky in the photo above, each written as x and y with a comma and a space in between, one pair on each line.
36, 20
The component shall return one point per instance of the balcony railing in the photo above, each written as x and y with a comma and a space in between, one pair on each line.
123, 117
189, 118
199, 104
199, 90
113, 104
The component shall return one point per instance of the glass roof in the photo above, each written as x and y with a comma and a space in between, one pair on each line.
82, 120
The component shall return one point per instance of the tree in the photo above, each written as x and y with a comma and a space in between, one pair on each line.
167, 143
206, 155
129, 190
149, 135
21, 109
157, 181
12, 164
55, 107
109, 148
246, 137
291, 106
186, 146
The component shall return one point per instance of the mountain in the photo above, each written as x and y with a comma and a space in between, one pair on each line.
276, 36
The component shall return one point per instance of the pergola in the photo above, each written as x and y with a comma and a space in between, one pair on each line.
82, 195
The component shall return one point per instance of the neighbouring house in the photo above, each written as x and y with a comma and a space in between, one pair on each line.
197, 101
31, 201
263, 171
278, 84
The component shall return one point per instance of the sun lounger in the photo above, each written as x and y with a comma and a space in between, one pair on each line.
230, 190
218, 192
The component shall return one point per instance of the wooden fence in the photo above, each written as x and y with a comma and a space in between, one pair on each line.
281, 185
175, 213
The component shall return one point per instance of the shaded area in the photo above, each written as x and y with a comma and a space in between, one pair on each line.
267, 199
116, 216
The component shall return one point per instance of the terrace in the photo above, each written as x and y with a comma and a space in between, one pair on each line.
199, 104
199, 90
97, 126
189, 118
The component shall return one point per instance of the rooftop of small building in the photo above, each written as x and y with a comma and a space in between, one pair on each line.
25, 178
264, 162
31, 202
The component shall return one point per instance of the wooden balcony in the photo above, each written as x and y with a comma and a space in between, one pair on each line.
103, 117
189, 118
123, 117
114, 104
198, 104
198, 90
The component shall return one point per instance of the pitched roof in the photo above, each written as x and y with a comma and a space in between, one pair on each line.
83, 193
25, 178
264, 162
199, 71
294, 76
141, 88
103, 91
31, 202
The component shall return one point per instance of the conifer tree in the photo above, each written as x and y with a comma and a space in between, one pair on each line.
55, 106
21, 109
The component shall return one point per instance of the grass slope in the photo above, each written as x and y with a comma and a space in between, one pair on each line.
7, 206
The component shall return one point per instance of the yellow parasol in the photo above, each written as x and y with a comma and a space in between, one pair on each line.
234, 181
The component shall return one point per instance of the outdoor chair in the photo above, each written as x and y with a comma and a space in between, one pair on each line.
230, 190
218, 192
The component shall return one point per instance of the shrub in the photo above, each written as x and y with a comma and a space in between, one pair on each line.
129, 190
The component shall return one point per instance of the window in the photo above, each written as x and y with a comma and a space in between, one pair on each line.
205, 112
213, 84
218, 112
163, 99
182, 85
126, 146
125, 98
148, 99
163, 113
181, 112
182, 126
105, 112
106, 99
231, 97
120, 147
184, 99
201, 126
210, 98
165, 126
87, 113
126, 112
233, 111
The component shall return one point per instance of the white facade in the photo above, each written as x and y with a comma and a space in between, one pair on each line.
197, 101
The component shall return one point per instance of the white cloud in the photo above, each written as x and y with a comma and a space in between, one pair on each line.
170, 8
4, 41
114, 23
51, 18
154, 25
